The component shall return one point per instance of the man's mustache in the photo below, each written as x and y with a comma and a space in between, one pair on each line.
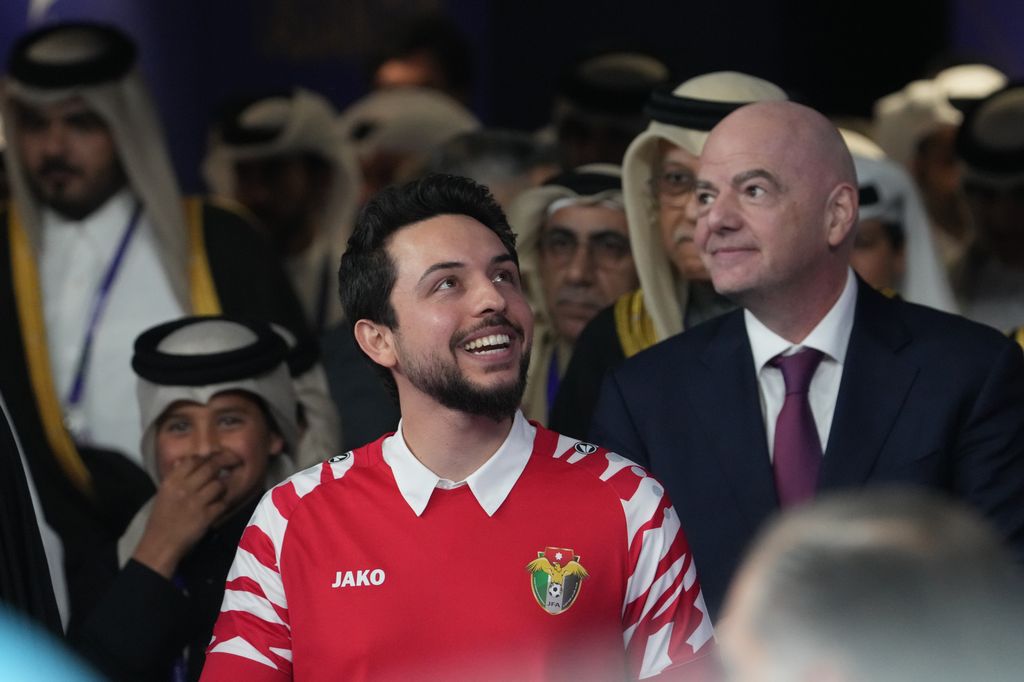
496, 320
57, 165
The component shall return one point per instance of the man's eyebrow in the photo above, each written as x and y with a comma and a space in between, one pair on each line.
743, 177
445, 265
704, 184
502, 258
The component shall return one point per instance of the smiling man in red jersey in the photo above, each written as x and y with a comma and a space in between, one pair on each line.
470, 544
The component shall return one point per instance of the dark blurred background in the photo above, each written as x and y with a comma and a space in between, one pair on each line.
839, 56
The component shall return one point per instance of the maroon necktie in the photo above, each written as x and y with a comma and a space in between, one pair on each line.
797, 449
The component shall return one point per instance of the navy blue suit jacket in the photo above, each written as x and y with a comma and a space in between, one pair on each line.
925, 398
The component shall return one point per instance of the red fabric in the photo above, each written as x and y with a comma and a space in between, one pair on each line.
374, 592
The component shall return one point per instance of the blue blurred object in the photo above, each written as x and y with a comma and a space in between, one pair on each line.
29, 653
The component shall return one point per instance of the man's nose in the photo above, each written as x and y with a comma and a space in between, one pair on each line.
54, 141
488, 297
721, 214
580, 267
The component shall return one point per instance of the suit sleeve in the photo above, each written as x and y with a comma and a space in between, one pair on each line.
666, 626
252, 636
990, 448
613, 427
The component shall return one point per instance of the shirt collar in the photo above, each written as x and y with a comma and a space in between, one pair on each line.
490, 484
831, 335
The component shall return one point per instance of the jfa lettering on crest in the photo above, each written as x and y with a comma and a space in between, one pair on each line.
359, 578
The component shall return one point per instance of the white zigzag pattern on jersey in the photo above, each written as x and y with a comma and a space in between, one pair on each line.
268, 519
641, 507
656, 652
246, 565
651, 553
565, 444
247, 602
668, 602
616, 463
705, 631
659, 587
240, 647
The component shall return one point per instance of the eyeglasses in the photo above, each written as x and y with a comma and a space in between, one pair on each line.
606, 249
672, 185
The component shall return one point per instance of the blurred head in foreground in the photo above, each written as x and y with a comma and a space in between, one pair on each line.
893, 584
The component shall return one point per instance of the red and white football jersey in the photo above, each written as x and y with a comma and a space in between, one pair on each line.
556, 560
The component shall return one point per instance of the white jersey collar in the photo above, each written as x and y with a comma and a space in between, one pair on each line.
490, 484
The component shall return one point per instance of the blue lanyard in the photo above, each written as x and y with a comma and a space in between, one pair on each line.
554, 381
99, 304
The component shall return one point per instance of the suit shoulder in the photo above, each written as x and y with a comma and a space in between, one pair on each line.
947, 329
680, 348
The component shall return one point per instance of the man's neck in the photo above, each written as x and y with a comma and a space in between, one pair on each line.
81, 216
450, 443
794, 315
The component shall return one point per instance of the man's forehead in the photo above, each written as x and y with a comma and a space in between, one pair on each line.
64, 107
448, 238
733, 156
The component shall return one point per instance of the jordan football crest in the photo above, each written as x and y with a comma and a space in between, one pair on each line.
556, 576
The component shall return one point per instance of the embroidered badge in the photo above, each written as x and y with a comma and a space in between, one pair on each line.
340, 458
556, 576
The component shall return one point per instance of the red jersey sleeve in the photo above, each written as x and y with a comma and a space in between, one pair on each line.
665, 622
252, 636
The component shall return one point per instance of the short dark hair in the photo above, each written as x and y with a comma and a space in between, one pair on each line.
367, 273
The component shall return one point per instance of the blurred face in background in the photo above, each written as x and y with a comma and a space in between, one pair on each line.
585, 264
878, 254
69, 156
673, 186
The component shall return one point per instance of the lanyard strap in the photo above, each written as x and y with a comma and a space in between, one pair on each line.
99, 305
554, 381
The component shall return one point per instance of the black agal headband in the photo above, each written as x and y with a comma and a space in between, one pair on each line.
177, 369
71, 54
586, 184
686, 112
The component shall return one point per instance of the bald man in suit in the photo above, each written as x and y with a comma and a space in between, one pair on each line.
893, 392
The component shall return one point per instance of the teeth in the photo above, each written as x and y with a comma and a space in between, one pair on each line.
488, 342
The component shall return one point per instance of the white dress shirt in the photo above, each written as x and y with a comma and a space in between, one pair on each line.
490, 484
831, 336
74, 259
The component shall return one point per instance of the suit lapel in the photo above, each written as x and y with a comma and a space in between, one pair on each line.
874, 386
723, 394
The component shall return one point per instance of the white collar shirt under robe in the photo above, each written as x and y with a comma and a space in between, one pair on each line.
75, 257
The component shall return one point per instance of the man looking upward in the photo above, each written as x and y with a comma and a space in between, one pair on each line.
470, 544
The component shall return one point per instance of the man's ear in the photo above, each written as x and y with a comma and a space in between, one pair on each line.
377, 341
841, 214
276, 443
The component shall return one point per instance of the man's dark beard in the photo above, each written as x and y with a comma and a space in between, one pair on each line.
448, 386
77, 208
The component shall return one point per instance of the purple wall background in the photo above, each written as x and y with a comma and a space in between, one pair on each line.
195, 54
